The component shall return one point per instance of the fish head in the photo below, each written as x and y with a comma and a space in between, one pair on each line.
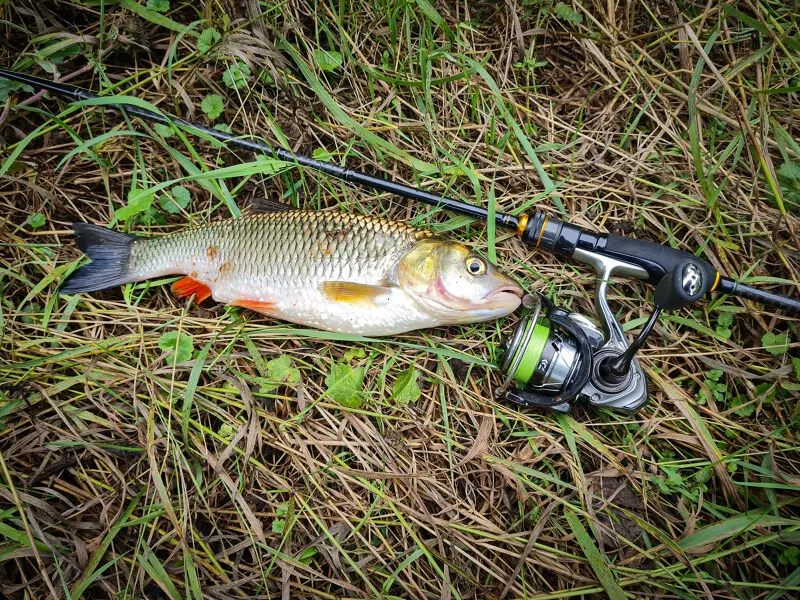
456, 285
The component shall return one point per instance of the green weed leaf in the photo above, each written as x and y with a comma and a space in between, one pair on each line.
345, 383
328, 60
177, 342
37, 220
278, 525
208, 38
307, 555
180, 199
531, 64
790, 556
790, 170
406, 389
7, 86
152, 216
743, 407
32, 312
160, 6
57, 52
212, 106
703, 475
565, 13
673, 482
139, 200
280, 371
226, 431
724, 322
354, 353
775, 344
165, 131
789, 181
236, 75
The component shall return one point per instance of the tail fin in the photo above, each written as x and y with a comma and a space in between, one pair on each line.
109, 250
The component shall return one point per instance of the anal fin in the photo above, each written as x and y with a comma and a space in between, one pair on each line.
255, 305
355, 293
187, 286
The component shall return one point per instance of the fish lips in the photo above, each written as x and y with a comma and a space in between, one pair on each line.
507, 297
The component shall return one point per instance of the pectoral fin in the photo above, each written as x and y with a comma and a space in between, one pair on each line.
355, 293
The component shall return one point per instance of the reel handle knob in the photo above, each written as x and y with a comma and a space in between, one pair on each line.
686, 283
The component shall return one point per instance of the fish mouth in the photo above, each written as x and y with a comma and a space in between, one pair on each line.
506, 290
507, 296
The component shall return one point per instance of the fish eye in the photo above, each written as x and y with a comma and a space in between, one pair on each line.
476, 266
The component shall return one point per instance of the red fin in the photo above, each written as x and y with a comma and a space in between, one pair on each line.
261, 307
188, 286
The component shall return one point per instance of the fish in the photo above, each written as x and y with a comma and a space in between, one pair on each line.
333, 271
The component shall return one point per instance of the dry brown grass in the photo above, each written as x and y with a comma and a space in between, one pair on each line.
113, 485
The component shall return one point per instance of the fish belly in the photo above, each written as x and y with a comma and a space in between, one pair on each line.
395, 313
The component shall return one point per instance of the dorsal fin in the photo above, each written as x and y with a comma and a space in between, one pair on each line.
265, 205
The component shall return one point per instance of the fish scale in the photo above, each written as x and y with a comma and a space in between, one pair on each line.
278, 247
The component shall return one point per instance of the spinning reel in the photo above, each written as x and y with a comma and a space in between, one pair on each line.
556, 358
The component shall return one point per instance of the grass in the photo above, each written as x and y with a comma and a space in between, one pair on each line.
154, 449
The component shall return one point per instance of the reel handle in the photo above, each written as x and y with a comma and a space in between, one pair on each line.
680, 287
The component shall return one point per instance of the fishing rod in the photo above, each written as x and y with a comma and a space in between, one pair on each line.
554, 357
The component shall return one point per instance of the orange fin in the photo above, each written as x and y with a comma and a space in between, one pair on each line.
188, 286
256, 305
354, 293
